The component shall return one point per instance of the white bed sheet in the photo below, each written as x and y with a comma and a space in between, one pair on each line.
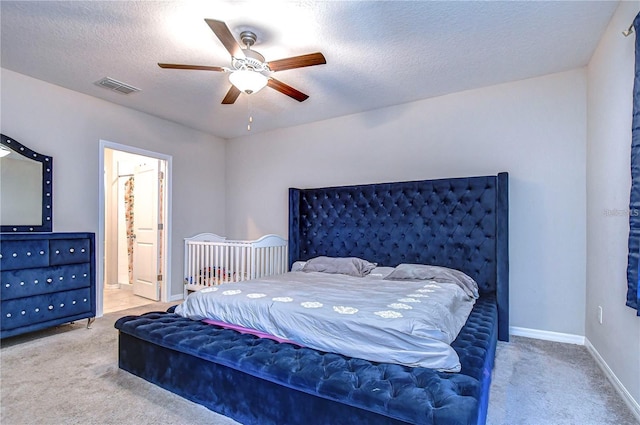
406, 322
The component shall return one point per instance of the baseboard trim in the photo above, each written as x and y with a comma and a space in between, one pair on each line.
547, 335
620, 388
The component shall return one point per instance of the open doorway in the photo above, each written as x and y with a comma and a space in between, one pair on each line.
134, 228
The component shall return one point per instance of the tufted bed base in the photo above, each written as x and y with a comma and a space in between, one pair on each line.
460, 223
259, 381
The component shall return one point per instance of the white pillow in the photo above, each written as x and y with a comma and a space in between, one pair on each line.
351, 266
437, 273
297, 266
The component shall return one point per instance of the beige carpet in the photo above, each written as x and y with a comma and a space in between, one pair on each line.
69, 375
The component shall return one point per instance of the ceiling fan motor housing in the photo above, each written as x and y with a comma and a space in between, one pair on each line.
253, 61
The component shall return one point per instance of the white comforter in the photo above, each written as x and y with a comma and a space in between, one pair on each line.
407, 322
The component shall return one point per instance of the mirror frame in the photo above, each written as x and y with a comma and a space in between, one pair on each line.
47, 187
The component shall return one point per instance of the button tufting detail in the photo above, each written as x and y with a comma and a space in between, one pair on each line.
405, 393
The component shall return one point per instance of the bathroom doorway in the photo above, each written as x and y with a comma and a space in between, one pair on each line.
134, 227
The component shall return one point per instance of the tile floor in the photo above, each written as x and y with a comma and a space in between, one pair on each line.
122, 299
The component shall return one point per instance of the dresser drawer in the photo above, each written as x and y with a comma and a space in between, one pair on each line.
24, 254
44, 280
43, 308
69, 251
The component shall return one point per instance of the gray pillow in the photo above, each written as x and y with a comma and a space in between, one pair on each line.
351, 266
437, 273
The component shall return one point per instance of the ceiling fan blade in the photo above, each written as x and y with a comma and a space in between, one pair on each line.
286, 89
222, 31
297, 62
231, 96
197, 67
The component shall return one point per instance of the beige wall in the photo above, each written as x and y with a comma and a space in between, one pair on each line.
610, 77
534, 129
69, 126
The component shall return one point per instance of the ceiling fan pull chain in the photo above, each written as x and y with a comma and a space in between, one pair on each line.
249, 113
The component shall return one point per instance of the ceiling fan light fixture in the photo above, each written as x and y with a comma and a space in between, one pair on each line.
248, 81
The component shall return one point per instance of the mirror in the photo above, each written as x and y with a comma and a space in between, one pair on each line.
26, 183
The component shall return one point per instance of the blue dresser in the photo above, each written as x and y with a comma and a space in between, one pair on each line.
46, 279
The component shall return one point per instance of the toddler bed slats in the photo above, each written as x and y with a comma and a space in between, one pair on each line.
210, 259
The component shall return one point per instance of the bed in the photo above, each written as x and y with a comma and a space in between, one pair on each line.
460, 223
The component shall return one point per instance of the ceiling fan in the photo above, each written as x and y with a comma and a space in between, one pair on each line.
248, 67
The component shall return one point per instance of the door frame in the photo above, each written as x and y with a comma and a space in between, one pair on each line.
100, 240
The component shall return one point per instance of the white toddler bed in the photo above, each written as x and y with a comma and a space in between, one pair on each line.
210, 259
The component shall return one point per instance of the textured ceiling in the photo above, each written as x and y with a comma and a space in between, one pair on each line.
379, 53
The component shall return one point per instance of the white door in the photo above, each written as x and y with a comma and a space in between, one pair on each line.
145, 222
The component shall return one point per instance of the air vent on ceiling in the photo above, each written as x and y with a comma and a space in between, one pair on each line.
115, 85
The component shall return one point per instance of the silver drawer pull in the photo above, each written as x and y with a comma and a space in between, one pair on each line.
72, 250
15, 255
0, 255
73, 276
50, 307
61, 305
49, 280
28, 254
21, 283
7, 285
23, 312
37, 310
41, 252
74, 301
61, 278
82, 250
8, 314
35, 281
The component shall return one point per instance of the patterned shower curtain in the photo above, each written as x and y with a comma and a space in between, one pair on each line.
128, 206
633, 295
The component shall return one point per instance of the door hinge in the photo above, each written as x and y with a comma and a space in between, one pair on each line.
160, 226
159, 278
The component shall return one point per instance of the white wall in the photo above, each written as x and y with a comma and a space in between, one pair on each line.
535, 129
69, 126
610, 80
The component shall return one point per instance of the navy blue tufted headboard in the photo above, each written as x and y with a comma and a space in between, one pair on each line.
461, 223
